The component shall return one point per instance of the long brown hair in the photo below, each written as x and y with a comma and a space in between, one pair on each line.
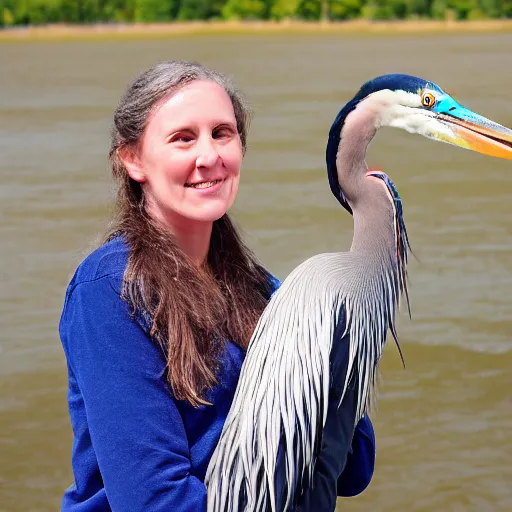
192, 310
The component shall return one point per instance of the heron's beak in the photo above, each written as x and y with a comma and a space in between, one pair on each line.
475, 132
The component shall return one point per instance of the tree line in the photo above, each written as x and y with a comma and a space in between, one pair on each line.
33, 12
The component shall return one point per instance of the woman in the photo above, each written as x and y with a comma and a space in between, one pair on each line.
157, 320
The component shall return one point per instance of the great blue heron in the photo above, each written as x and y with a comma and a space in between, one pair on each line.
347, 298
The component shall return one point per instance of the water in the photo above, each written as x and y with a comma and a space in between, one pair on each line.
444, 424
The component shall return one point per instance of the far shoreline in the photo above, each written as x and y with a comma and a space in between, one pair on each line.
57, 32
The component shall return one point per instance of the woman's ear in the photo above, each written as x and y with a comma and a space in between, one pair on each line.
129, 156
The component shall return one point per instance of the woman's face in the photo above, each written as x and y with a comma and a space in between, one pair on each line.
189, 158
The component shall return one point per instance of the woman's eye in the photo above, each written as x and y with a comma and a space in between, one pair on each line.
183, 137
221, 133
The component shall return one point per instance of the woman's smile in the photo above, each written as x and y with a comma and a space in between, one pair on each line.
207, 185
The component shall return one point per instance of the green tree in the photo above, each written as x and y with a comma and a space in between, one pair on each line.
491, 8
310, 9
20, 12
418, 8
462, 7
200, 9
399, 8
344, 9
194, 10
378, 10
7, 17
79, 11
154, 10
282, 9
119, 10
69, 11
438, 9
25, 12
105, 10
88, 10
244, 9
215, 8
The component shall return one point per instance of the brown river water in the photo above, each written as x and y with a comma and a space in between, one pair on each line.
444, 424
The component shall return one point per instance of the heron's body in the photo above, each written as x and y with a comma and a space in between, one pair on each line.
278, 414
262, 413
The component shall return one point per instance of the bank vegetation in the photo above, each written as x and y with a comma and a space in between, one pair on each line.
15, 13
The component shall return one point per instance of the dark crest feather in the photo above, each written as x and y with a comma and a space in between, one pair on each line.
403, 248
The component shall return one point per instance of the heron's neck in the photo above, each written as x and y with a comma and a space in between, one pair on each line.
370, 202
374, 231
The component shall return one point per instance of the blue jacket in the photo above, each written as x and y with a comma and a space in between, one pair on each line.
135, 447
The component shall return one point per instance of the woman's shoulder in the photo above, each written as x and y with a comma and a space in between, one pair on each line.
108, 260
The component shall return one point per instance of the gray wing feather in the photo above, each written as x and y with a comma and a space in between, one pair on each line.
283, 391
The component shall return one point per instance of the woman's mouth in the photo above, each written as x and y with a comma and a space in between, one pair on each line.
204, 184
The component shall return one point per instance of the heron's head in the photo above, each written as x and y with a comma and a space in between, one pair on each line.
418, 106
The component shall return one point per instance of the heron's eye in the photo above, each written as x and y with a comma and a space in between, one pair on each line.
428, 99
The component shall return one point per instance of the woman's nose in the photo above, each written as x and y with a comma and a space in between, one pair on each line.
208, 154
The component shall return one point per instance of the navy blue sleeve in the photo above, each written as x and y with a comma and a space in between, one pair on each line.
360, 465
136, 430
